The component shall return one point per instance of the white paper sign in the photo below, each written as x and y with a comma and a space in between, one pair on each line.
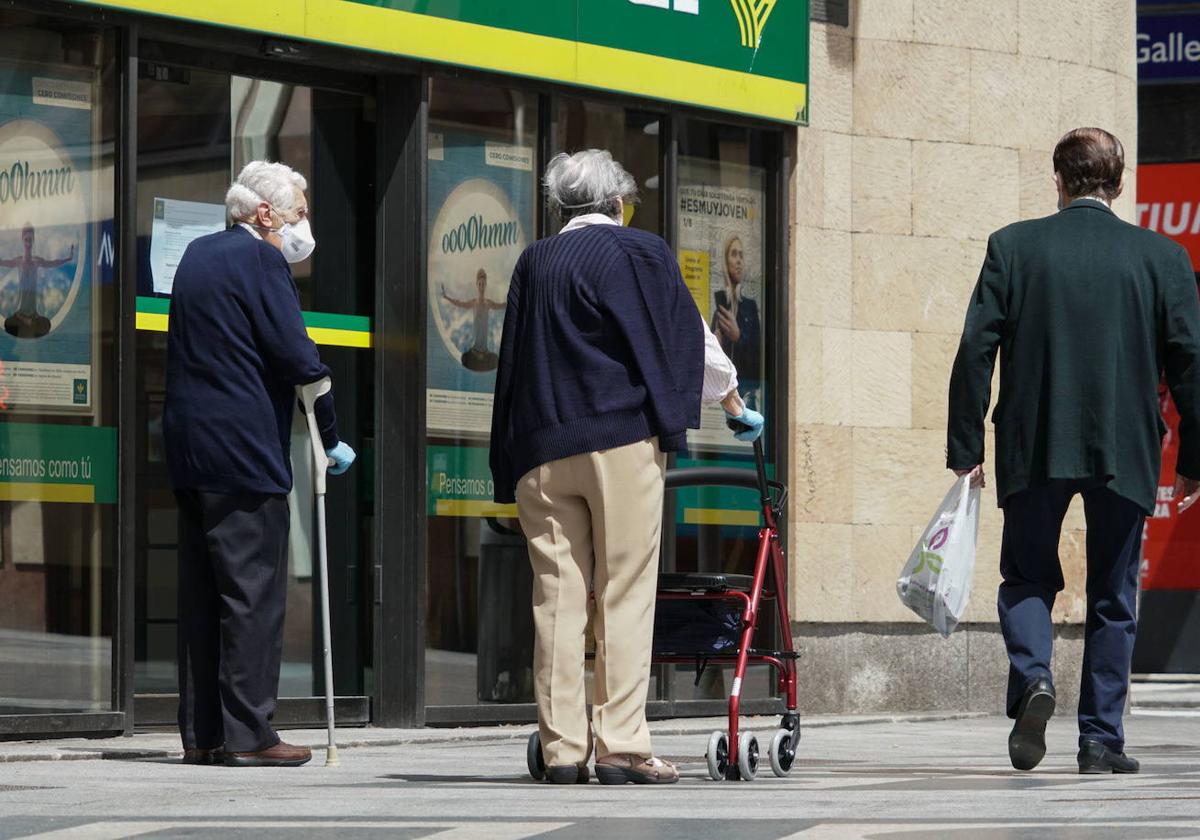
176, 224
509, 157
62, 93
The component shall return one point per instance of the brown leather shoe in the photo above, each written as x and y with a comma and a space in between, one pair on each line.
619, 768
216, 755
280, 755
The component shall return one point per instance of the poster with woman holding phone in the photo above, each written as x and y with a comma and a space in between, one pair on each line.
721, 254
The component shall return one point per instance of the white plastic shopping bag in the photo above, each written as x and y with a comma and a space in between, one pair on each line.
936, 581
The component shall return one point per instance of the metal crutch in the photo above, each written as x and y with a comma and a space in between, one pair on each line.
309, 394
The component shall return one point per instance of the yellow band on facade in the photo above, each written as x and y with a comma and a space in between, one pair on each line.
697, 84
34, 492
712, 516
474, 507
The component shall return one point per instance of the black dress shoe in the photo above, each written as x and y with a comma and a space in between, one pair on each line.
1094, 758
1027, 741
216, 755
569, 774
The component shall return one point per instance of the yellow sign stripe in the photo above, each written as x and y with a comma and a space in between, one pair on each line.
153, 322
712, 516
340, 338
682, 81
34, 492
474, 507
431, 38
438, 39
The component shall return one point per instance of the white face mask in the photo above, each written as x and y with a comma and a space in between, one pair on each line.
298, 241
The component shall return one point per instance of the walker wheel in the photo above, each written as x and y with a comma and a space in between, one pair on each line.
747, 756
534, 759
783, 752
717, 756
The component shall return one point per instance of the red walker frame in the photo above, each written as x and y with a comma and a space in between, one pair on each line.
726, 757
770, 557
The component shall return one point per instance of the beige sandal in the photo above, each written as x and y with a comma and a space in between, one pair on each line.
619, 768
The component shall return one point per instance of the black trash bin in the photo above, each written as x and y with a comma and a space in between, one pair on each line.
504, 671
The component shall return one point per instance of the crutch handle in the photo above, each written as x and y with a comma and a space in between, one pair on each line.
308, 395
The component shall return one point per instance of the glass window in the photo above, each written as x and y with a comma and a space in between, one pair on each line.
1168, 123
725, 252
58, 358
483, 209
633, 138
196, 129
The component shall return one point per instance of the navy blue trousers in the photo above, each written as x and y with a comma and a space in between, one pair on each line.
233, 552
1032, 577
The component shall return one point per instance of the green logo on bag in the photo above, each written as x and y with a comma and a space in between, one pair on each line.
931, 559
929, 555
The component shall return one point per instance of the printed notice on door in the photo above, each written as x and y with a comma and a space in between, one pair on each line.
176, 224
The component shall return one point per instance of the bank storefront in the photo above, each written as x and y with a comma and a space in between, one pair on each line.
422, 135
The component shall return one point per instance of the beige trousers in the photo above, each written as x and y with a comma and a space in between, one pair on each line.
594, 521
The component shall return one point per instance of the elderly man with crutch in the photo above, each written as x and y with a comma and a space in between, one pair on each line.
237, 350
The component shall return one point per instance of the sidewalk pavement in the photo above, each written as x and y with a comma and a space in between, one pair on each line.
891, 779
165, 744
1181, 694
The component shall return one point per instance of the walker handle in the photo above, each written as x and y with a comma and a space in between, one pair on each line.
737, 426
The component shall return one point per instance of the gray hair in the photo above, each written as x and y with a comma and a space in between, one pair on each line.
259, 181
587, 182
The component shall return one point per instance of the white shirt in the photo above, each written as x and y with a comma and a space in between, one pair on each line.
253, 231
720, 376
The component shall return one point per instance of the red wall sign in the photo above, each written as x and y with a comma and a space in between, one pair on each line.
1168, 201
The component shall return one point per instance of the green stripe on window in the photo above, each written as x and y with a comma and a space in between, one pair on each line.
153, 306
333, 321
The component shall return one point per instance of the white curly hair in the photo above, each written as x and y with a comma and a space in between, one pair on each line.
587, 182
263, 180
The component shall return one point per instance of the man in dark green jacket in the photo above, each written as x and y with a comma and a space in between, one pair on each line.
1088, 313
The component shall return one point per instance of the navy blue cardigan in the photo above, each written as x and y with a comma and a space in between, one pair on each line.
603, 346
236, 349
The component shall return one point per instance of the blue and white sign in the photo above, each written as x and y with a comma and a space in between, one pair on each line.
48, 234
1168, 48
481, 207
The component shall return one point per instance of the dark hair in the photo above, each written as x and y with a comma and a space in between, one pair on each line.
1090, 161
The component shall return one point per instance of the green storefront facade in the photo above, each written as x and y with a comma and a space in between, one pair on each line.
418, 123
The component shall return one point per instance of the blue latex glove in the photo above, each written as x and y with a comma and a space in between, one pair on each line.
342, 456
749, 424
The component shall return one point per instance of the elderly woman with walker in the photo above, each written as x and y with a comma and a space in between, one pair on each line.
604, 363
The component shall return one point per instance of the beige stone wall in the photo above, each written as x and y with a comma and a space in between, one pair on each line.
932, 124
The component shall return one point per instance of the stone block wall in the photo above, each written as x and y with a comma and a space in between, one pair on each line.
932, 124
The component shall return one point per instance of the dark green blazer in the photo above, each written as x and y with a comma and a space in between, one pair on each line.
1088, 313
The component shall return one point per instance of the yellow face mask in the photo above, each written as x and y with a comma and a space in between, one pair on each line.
628, 213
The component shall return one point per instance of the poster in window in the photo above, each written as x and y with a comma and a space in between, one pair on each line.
48, 233
722, 257
481, 217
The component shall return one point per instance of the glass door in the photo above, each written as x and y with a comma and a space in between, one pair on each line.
727, 249
196, 129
